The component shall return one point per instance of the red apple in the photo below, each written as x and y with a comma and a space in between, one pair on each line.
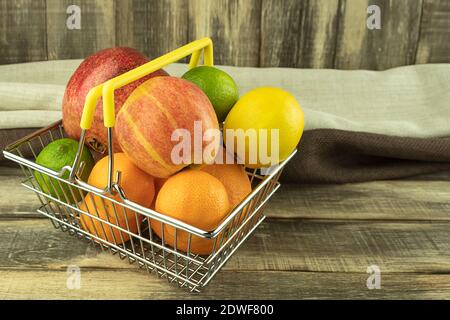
94, 70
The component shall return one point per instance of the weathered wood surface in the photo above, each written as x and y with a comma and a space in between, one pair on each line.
417, 198
152, 27
395, 44
319, 260
131, 24
278, 245
380, 200
97, 29
294, 33
118, 284
299, 34
235, 22
317, 243
22, 31
434, 42
167, 26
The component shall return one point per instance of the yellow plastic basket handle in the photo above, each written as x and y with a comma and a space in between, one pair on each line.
107, 88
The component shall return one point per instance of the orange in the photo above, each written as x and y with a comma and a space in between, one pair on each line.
196, 198
234, 178
138, 187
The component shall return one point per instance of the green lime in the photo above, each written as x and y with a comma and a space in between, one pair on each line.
55, 156
220, 88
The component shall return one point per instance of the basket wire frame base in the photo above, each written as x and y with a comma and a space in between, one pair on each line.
142, 246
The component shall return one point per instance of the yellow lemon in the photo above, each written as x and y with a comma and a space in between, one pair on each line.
271, 122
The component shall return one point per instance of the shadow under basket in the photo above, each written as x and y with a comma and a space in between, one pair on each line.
143, 248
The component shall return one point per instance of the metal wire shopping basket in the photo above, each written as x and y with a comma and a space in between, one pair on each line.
144, 247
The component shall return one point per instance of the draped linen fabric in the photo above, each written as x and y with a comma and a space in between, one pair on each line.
359, 125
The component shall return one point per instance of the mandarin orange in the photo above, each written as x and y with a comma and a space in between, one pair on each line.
138, 187
234, 178
196, 198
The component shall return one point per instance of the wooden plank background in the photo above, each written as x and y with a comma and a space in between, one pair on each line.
267, 33
316, 243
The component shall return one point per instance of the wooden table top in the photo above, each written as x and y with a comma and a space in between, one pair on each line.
317, 242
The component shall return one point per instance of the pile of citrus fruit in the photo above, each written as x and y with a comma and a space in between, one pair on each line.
149, 119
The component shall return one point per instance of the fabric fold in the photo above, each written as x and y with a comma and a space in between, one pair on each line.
30, 96
338, 156
359, 125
